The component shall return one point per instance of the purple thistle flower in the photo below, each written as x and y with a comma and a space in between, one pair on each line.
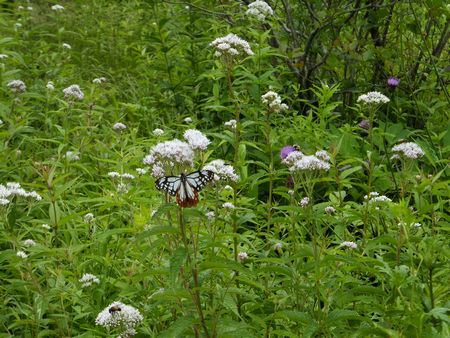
393, 82
286, 150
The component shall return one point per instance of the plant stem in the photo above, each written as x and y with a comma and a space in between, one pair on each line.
194, 270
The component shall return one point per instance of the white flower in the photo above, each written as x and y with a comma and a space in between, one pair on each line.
373, 98
410, 150
73, 92
330, 210
123, 188
17, 86
128, 176
119, 126
21, 254
20, 7
30, 8
222, 171
228, 205
158, 132
292, 157
351, 245
46, 226
89, 218
35, 195
375, 197
72, 156
196, 139
119, 315
273, 101
14, 189
113, 174
278, 246
17, 25
99, 80
259, 9
188, 120
308, 163
323, 155
66, 46
416, 225
3, 56
166, 155
50, 86
88, 279
304, 202
141, 171
57, 8
242, 256
29, 242
232, 124
231, 45
210, 215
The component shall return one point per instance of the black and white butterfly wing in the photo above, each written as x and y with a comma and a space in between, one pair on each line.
169, 184
185, 187
198, 179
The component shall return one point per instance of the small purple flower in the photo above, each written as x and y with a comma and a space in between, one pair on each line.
393, 82
286, 150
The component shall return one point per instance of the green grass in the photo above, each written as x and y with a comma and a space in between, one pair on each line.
184, 269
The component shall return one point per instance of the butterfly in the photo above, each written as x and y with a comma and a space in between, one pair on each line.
185, 187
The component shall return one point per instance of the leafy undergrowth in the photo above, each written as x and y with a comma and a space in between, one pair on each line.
317, 215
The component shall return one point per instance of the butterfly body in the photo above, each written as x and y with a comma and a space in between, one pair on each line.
185, 187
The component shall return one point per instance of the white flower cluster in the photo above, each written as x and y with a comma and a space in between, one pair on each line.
231, 45
89, 218
73, 92
17, 86
232, 124
196, 139
375, 197
158, 132
115, 174
330, 210
119, 126
409, 150
21, 254
29, 242
297, 161
222, 171
57, 8
88, 279
228, 205
141, 171
3, 56
351, 245
99, 80
373, 98
120, 316
12, 189
259, 9
166, 155
273, 101
66, 46
50, 86
304, 202
243, 256
71, 156
210, 215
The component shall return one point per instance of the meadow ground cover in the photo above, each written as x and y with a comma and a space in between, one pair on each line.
224, 168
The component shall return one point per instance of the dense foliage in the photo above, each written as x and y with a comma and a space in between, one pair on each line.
325, 123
